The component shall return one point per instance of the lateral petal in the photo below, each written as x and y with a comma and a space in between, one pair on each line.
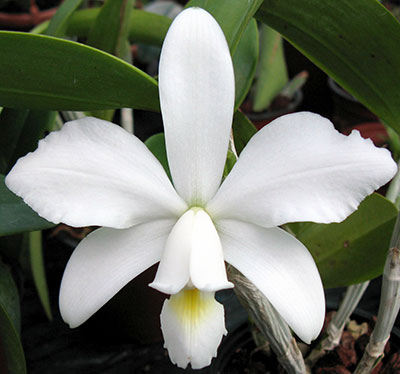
173, 272
104, 262
196, 83
282, 269
207, 266
93, 172
193, 325
299, 168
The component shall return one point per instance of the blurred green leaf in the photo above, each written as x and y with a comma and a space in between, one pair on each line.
9, 298
145, 27
245, 62
41, 72
272, 73
15, 215
114, 17
11, 352
38, 124
356, 42
243, 129
12, 122
38, 270
14, 249
354, 250
232, 15
12, 358
58, 23
156, 144
229, 164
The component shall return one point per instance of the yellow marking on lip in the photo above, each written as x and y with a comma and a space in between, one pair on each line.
191, 305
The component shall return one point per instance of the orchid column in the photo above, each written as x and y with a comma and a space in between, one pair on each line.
298, 168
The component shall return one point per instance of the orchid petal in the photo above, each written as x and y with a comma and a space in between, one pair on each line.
92, 172
173, 272
207, 266
104, 262
193, 325
282, 269
192, 256
196, 83
299, 168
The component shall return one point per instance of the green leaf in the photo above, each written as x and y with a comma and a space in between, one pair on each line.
13, 249
38, 270
229, 164
41, 72
232, 15
114, 17
58, 23
12, 122
243, 129
15, 215
245, 62
9, 298
156, 144
12, 358
354, 250
272, 73
356, 42
145, 27
11, 352
38, 124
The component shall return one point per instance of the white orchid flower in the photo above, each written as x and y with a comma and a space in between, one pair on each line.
298, 168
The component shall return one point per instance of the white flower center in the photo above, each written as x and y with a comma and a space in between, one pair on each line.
192, 257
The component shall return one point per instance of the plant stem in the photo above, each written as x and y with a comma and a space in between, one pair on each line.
333, 332
127, 119
388, 307
269, 322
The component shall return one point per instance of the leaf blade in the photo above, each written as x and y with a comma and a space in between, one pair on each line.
68, 76
15, 215
353, 49
354, 250
232, 15
245, 62
38, 270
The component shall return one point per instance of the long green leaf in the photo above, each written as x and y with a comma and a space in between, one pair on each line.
145, 27
232, 15
41, 72
15, 215
156, 144
245, 62
12, 359
243, 129
38, 270
356, 42
12, 122
58, 23
354, 250
37, 124
9, 298
114, 17
272, 73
